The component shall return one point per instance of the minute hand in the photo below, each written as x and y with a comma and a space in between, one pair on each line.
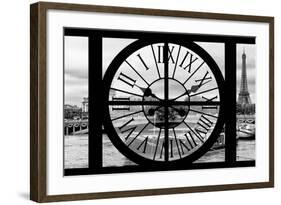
193, 89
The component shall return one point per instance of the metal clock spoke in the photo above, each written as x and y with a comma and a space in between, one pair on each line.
127, 92
189, 77
138, 134
134, 103
154, 57
117, 118
175, 67
204, 113
194, 103
177, 143
136, 72
157, 143
205, 91
166, 98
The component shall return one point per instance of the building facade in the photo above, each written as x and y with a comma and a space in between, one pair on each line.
72, 112
85, 105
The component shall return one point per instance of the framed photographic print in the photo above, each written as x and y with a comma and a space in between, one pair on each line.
133, 102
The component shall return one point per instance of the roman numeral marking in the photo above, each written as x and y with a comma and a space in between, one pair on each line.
201, 133
162, 149
205, 125
175, 68
138, 134
182, 146
157, 143
137, 71
204, 113
177, 143
144, 142
210, 100
124, 128
191, 61
121, 107
126, 79
191, 136
204, 91
144, 64
154, 57
171, 147
170, 56
194, 72
202, 80
205, 122
192, 143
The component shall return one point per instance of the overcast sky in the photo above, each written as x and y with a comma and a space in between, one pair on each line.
76, 70
76, 64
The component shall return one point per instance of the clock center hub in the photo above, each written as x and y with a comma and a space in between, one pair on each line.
155, 114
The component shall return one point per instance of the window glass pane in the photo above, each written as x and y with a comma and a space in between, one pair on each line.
75, 102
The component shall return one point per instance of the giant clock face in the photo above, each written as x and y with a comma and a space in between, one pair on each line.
164, 102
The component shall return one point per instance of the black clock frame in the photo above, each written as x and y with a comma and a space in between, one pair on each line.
109, 127
98, 99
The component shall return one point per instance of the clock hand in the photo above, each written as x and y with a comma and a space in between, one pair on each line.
141, 88
193, 89
147, 92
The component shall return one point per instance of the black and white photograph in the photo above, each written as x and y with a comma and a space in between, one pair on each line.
132, 102
163, 102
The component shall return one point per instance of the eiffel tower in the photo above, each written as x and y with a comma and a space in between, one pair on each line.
244, 96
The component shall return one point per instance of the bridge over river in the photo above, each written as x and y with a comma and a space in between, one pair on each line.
72, 127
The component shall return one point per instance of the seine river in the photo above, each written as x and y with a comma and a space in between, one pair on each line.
76, 152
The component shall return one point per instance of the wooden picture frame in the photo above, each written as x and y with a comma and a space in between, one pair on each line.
39, 103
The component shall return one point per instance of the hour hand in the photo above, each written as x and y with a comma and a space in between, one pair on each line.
193, 89
141, 88
147, 92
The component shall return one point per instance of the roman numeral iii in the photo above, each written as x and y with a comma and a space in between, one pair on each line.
126, 79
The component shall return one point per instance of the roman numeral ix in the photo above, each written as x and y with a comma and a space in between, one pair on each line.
191, 60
